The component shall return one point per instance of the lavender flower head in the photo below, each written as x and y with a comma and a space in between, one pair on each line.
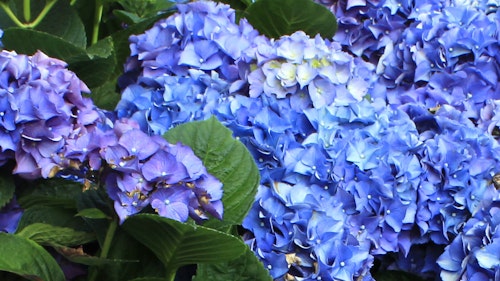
50, 129
41, 107
141, 170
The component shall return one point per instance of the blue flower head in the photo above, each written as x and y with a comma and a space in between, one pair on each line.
311, 67
201, 35
473, 254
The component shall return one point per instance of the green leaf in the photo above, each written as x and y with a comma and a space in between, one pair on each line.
245, 268
146, 8
28, 259
28, 41
176, 244
98, 69
127, 17
50, 192
94, 66
96, 199
49, 235
56, 216
275, 18
225, 158
7, 188
92, 213
62, 21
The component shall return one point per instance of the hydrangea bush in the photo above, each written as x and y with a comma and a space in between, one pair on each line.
375, 151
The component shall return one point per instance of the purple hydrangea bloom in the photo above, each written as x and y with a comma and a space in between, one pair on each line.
10, 215
50, 129
140, 170
39, 99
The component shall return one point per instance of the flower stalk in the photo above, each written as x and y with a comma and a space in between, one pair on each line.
97, 20
27, 13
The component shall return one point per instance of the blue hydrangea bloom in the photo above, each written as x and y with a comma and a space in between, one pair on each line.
473, 254
369, 145
312, 67
202, 35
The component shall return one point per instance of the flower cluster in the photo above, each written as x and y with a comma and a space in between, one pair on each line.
49, 129
430, 52
474, 254
185, 63
313, 68
299, 231
140, 170
41, 107
362, 143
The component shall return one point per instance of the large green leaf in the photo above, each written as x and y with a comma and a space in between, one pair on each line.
50, 235
98, 69
275, 18
225, 158
49, 192
176, 244
28, 259
7, 188
62, 21
28, 41
245, 268
56, 216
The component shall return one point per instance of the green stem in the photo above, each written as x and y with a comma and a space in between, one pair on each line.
109, 238
11, 15
97, 21
27, 10
106, 246
170, 276
46, 9
27, 13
